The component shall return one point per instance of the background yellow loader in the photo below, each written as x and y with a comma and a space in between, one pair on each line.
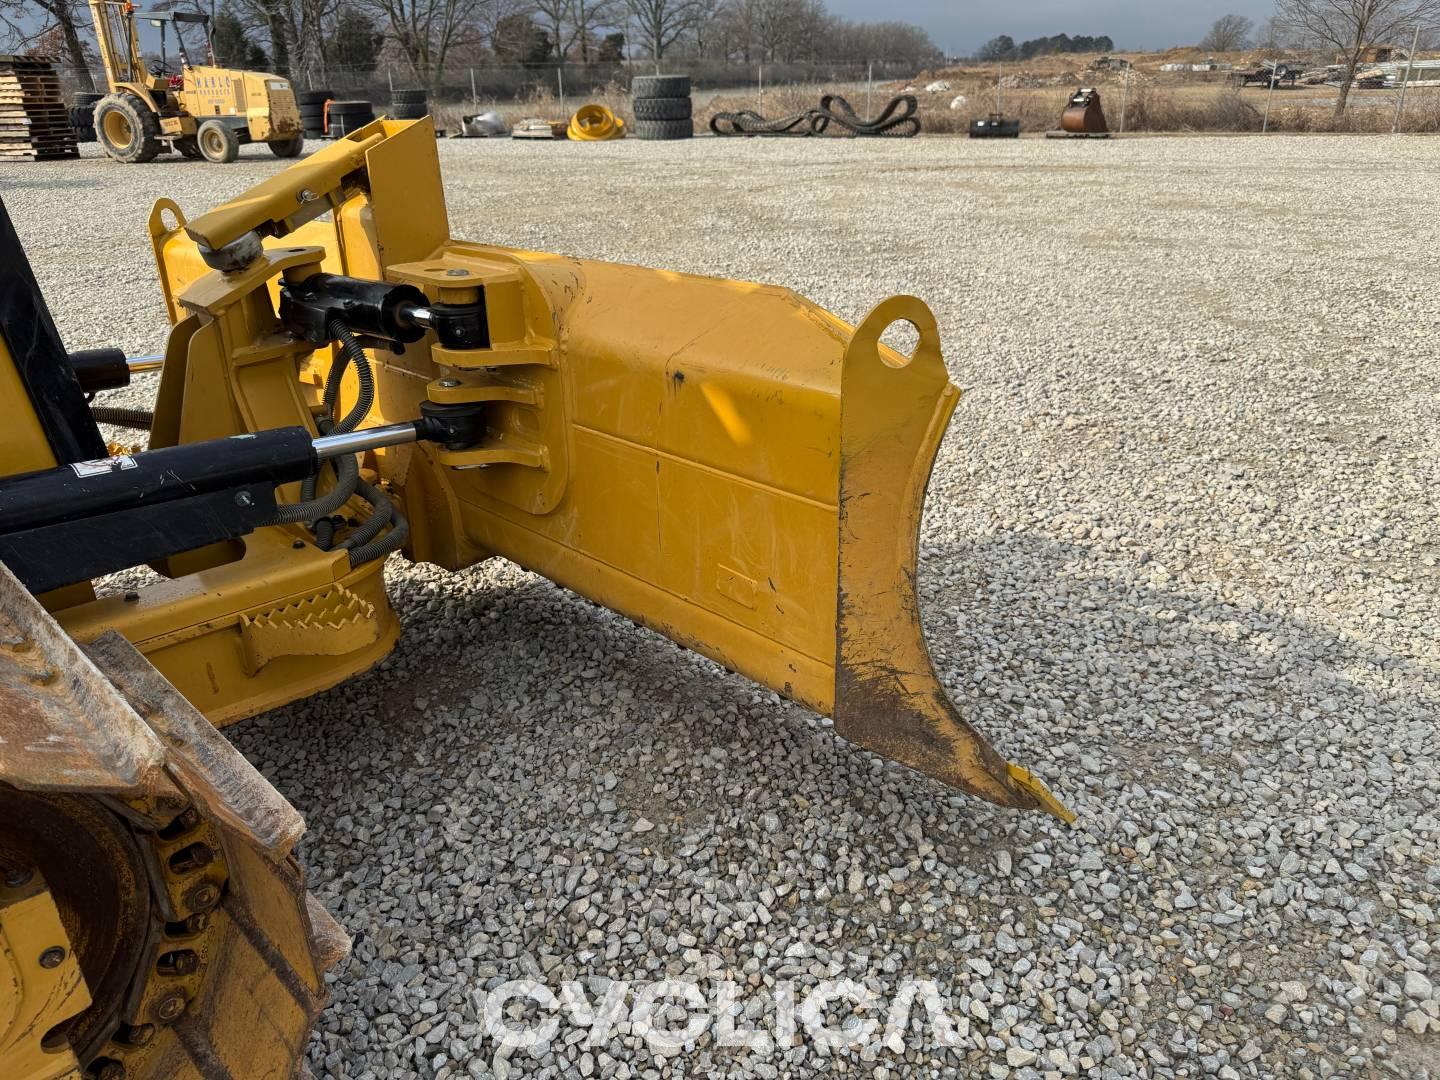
720, 461
204, 111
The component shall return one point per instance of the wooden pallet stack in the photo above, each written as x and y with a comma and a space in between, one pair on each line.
33, 120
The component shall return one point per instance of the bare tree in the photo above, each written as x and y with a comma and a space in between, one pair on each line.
706, 26
661, 23
555, 17
63, 16
1270, 35
1228, 33
275, 16
426, 30
1353, 26
588, 17
788, 30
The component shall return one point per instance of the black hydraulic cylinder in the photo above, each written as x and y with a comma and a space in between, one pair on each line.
100, 369
89, 488
376, 309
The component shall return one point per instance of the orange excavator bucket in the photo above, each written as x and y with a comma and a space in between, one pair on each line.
1083, 114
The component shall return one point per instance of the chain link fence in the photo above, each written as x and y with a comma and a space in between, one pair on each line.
492, 85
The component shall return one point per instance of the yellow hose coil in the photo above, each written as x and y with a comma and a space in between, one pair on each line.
595, 123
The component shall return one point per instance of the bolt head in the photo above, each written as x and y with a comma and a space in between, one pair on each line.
203, 897
449, 384
244, 498
52, 957
108, 1070
169, 1007
141, 1035
457, 273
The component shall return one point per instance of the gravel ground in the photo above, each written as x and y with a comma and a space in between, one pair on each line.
1179, 557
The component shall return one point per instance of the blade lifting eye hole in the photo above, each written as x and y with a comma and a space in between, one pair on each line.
902, 336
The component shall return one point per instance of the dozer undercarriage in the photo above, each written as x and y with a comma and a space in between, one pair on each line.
721, 462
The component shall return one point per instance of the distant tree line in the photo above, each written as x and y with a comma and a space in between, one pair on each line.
310, 38
1004, 47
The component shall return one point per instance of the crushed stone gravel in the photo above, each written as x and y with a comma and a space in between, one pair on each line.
1179, 557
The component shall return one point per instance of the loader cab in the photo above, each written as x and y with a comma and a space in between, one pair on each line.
192, 44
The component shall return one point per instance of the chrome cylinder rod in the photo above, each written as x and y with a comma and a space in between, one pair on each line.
355, 442
138, 365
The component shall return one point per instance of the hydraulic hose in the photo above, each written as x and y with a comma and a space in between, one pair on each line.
347, 470
347, 475
350, 353
391, 541
382, 509
119, 416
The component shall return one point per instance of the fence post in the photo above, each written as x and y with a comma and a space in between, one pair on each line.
560, 82
390, 78
1124, 99
760, 93
474, 96
869, 85
1274, 72
1409, 67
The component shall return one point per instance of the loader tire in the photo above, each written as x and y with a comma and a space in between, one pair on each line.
408, 110
662, 108
288, 148
187, 147
126, 128
218, 142
408, 97
663, 129
313, 97
660, 86
348, 116
153, 917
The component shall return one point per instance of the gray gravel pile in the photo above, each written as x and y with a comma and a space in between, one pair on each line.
1179, 558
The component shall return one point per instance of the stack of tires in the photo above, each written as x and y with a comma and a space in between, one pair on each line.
408, 105
82, 116
348, 116
662, 106
312, 111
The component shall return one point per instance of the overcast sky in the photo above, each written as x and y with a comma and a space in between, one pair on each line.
959, 27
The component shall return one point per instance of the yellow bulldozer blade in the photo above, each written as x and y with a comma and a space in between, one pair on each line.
723, 462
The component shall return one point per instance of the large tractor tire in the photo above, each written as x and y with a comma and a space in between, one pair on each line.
127, 129
187, 147
153, 922
218, 142
288, 148
663, 129
348, 116
660, 86
662, 108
